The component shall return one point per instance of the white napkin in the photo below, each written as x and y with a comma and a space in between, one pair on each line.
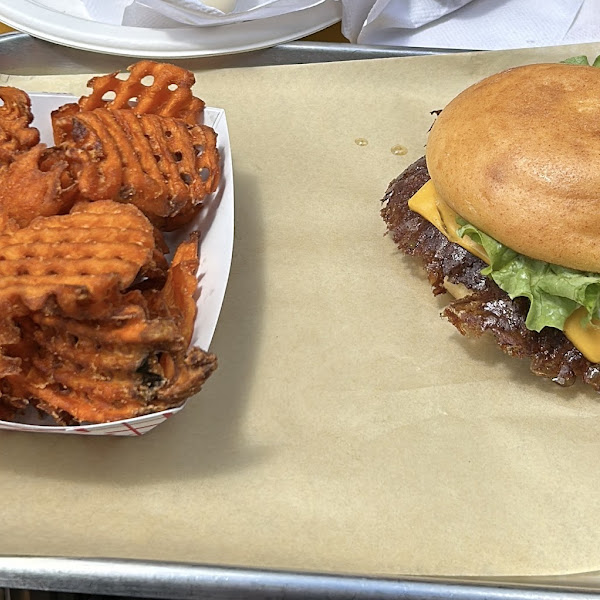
466, 24
471, 24
364, 17
170, 13
105, 12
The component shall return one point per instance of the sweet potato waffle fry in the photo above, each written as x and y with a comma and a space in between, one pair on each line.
76, 261
16, 135
160, 164
21, 155
145, 145
151, 88
43, 181
131, 363
95, 325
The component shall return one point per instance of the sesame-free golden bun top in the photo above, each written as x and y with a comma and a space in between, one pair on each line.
518, 156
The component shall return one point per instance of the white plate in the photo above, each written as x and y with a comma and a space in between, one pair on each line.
39, 19
215, 223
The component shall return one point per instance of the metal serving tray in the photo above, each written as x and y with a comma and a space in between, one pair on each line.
21, 54
142, 579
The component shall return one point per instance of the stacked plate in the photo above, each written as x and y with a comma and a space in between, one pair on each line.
62, 23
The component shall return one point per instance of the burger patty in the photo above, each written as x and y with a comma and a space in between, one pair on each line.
486, 307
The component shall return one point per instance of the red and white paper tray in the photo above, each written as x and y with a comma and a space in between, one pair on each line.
215, 223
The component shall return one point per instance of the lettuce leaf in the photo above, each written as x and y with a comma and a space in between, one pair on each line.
581, 60
577, 60
554, 292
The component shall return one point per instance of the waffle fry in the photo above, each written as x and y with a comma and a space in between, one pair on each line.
159, 164
134, 362
151, 88
16, 135
45, 193
78, 260
122, 395
177, 296
79, 398
95, 326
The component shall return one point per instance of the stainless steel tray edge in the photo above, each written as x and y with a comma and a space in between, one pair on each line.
20, 54
143, 579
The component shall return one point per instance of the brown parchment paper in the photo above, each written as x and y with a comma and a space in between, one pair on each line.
349, 428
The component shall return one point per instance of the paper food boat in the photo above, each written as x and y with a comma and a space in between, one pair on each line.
215, 223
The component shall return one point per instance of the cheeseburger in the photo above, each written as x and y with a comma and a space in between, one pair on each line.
504, 212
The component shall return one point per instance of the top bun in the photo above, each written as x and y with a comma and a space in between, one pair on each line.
518, 156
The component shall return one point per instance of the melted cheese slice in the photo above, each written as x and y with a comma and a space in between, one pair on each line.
586, 338
430, 206
427, 202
